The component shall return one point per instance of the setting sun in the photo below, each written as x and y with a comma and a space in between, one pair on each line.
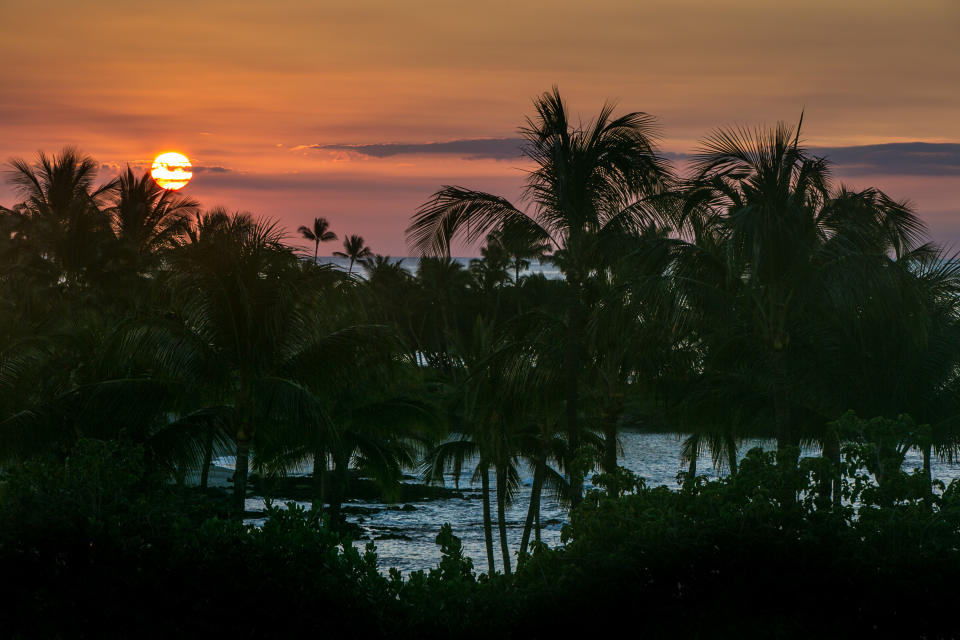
171, 170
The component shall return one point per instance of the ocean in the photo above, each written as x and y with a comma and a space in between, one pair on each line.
405, 538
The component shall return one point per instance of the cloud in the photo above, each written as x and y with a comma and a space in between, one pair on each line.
211, 169
893, 159
475, 148
902, 158
906, 158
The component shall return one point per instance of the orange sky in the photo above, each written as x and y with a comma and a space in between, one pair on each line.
249, 89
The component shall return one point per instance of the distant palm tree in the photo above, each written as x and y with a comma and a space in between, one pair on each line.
354, 249
520, 247
591, 181
320, 233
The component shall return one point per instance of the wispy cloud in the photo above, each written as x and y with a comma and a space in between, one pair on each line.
485, 148
906, 158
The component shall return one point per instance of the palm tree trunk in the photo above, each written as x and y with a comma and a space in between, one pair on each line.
338, 489
788, 451
316, 251
319, 481
694, 455
240, 475
572, 363
487, 525
501, 517
732, 454
611, 416
207, 460
830, 487
539, 471
928, 474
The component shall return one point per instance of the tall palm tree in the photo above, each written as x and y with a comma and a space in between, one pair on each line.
320, 233
766, 227
354, 249
246, 318
589, 181
489, 413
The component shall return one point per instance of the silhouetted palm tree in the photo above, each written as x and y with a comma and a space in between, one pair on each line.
767, 230
147, 218
61, 210
520, 247
589, 182
354, 249
320, 233
244, 304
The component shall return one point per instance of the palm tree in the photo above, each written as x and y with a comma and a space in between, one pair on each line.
490, 406
247, 322
590, 181
320, 233
355, 249
519, 246
766, 231
60, 211
147, 218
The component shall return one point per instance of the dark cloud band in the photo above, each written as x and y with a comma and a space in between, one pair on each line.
907, 158
486, 148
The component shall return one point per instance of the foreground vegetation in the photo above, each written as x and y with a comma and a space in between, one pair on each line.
143, 336
94, 546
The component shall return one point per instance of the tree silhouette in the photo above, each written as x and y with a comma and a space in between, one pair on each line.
320, 233
354, 249
591, 181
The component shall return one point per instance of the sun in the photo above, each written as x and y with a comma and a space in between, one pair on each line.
171, 170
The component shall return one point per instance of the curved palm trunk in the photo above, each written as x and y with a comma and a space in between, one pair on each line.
539, 472
928, 474
501, 517
487, 525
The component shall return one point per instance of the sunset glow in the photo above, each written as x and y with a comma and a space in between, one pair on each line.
171, 170
359, 111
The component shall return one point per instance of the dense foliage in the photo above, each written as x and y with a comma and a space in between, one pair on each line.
103, 549
142, 336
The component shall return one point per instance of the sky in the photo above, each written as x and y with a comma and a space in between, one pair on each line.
359, 110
